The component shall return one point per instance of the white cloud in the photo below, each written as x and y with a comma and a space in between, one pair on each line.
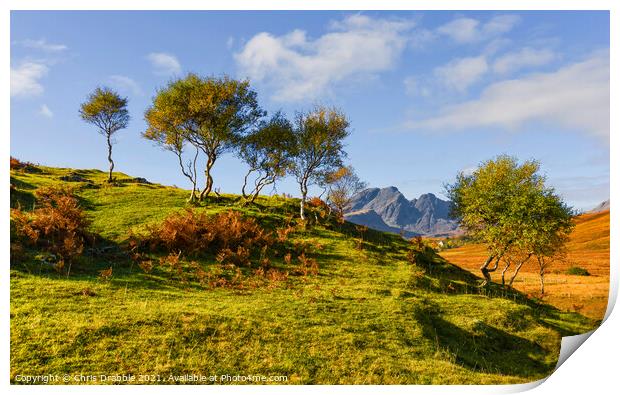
526, 57
25, 79
411, 85
298, 67
575, 96
43, 45
469, 30
421, 38
462, 30
45, 111
164, 63
461, 73
127, 84
496, 45
230, 42
500, 24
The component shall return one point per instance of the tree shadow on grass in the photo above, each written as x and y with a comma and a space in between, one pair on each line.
441, 276
485, 349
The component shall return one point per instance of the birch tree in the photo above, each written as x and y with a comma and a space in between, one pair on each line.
506, 206
268, 152
319, 148
212, 113
107, 110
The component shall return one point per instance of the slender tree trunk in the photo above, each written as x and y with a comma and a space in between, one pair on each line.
209, 182
110, 158
245, 183
485, 267
192, 196
541, 272
514, 275
190, 173
255, 195
485, 271
504, 272
194, 177
304, 194
261, 184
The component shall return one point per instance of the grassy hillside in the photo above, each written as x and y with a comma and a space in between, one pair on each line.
368, 316
588, 248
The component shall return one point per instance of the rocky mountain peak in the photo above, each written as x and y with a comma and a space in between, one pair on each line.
426, 215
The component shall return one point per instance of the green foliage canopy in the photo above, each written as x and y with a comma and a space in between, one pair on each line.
508, 207
212, 113
319, 136
107, 110
268, 151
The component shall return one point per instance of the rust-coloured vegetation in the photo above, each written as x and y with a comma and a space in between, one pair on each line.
57, 225
198, 234
238, 250
27, 167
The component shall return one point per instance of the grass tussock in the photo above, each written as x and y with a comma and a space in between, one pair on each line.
577, 271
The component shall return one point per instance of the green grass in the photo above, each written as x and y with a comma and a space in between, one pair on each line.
368, 317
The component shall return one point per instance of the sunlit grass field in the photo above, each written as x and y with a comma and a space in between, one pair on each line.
368, 317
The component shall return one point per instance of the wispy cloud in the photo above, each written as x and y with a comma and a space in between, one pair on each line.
411, 85
524, 58
470, 30
461, 73
42, 45
575, 96
126, 84
585, 192
26, 79
298, 67
45, 111
164, 63
230, 42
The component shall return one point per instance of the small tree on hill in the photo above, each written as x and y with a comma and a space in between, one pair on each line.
211, 113
107, 110
544, 230
507, 206
268, 152
342, 185
319, 150
555, 223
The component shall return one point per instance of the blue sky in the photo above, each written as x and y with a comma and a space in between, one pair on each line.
428, 93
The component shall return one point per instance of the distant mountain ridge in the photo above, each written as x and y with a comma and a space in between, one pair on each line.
388, 210
603, 206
